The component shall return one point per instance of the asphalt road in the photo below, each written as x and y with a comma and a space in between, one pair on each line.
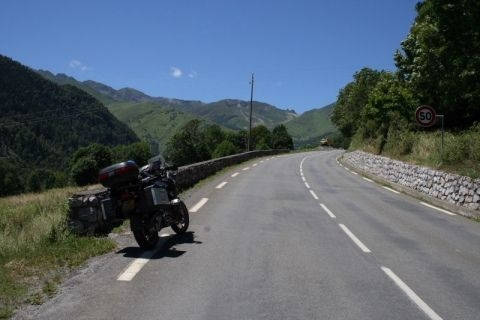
293, 237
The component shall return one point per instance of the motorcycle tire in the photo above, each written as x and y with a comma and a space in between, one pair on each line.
182, 226
145, 234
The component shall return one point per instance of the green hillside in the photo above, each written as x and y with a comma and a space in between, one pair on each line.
42, 123
234, 114
151, 121
311, 126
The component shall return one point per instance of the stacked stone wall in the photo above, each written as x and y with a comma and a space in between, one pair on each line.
452, 188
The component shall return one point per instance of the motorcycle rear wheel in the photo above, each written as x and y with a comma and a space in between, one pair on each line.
182, 226
145, 233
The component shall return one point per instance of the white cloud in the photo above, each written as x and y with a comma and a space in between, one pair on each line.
75, 64
193, 74
175, 72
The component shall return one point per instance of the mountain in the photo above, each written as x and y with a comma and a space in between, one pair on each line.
124, 94
311, 126
62, 79
234, 114
151, 121
152, 117
42, 123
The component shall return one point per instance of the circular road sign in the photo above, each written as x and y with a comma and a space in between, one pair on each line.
426, 116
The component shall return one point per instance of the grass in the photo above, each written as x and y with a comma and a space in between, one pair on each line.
36, 248
461, 150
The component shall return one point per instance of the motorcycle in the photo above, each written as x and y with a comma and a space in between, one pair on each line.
147, 196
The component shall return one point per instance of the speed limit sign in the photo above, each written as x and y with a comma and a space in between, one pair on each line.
426, 116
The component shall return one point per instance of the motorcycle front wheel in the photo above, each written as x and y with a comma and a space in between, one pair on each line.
182, 225
143, 231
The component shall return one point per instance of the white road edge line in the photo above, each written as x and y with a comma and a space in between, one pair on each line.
390, 189
439, 209
199, 204
221, 185
366, 179
254, 165
303, 178
353, 172
133, 268
411, 294
354, 238
261, 161
324, 207
246, 168
307, 185
314, 195
235, 174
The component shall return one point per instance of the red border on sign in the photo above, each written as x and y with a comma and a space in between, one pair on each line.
434, 118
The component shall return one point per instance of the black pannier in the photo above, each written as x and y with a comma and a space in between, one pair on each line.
156, 195
118, 174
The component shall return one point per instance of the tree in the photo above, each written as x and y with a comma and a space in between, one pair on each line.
225, 148
10, 178
440, 59
188, 145
352, 99
261, 138
389, 101
84, 171
138, 152
214, 135
41, 179
281, 139
100, 153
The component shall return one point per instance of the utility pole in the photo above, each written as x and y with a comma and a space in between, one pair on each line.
251, 108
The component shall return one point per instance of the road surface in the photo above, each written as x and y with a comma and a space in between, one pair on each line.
289, 237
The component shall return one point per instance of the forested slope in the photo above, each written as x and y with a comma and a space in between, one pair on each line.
42, 123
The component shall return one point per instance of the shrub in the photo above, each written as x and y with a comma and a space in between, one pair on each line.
84, 171
224, 149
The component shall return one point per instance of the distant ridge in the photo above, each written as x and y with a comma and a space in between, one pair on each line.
130, 105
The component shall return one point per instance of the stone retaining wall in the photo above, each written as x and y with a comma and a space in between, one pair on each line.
452, 188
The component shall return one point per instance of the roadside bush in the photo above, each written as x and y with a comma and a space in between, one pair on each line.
224, 149
84, 171
138, 152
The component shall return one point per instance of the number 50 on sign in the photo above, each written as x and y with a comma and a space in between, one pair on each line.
426, 116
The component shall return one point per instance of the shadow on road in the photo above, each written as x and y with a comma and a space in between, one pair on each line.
164, 248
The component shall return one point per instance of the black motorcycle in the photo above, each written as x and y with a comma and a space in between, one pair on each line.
148, 196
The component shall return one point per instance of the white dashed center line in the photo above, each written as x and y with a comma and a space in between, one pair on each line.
261, 161
303, 178
246, 168
235, 174
354, 238
441, 210
390, 189
200, 204
254, 165
411, 294
324, 207
314, 195
221, 185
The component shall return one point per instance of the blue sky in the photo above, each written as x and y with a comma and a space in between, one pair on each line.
302, 52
